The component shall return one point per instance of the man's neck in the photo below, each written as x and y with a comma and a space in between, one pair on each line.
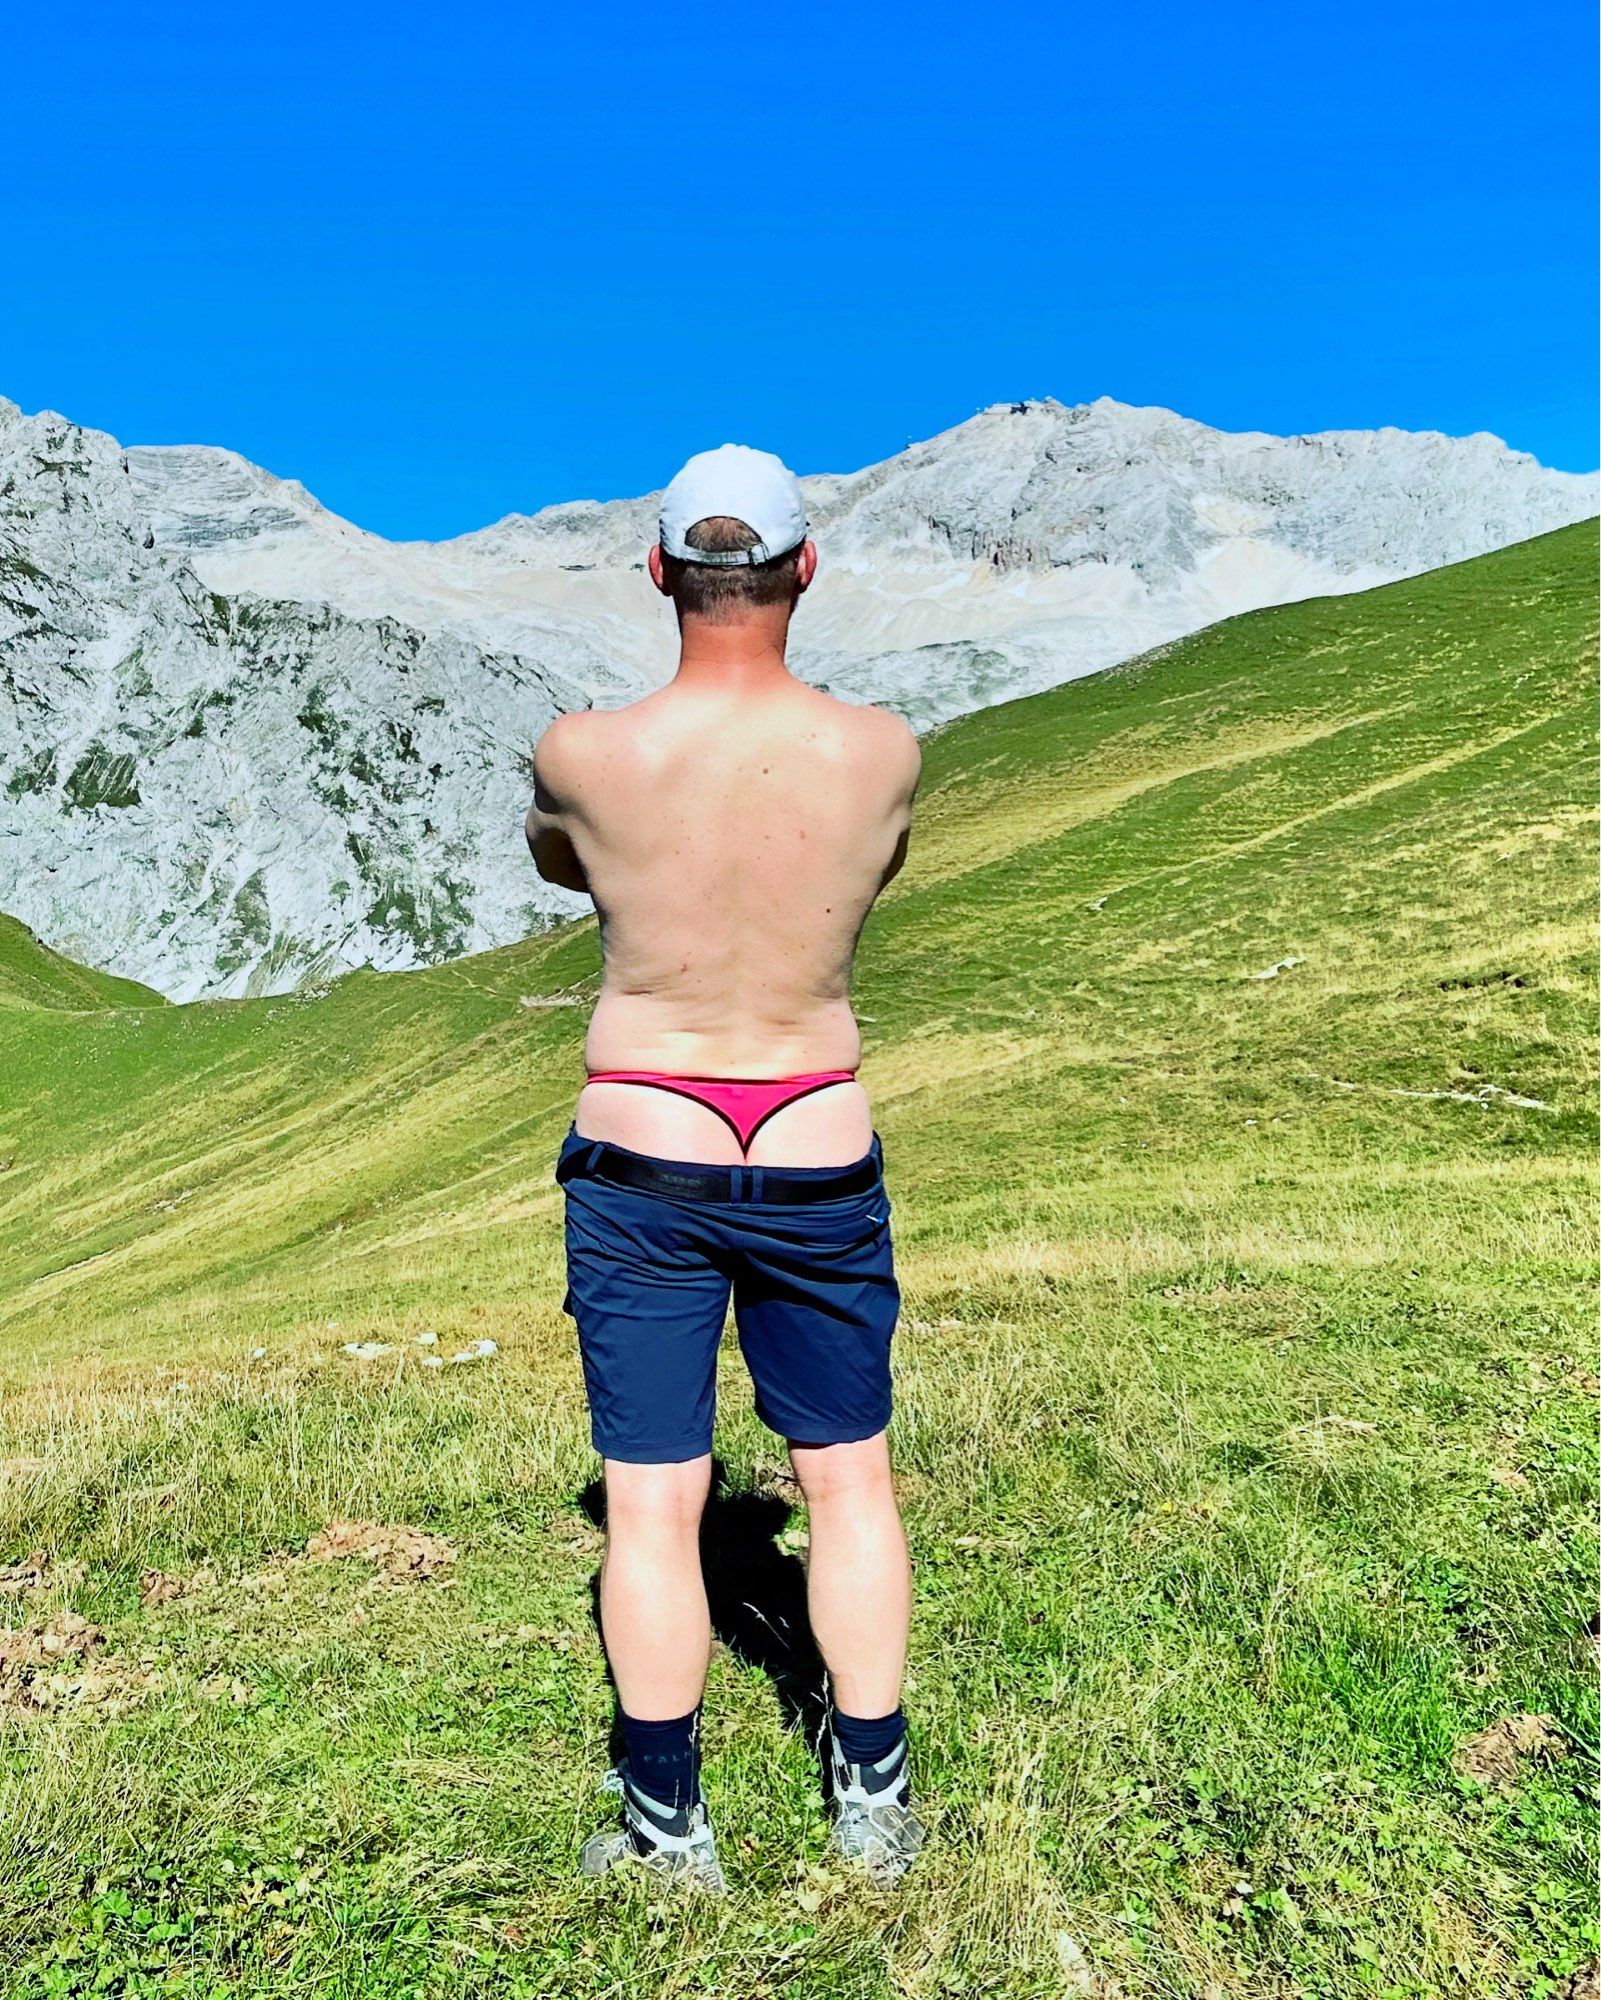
749, 652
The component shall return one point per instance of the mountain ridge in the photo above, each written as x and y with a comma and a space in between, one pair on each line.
245, 744
1031, 542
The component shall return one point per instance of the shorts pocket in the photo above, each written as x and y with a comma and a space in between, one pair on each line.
837, 1231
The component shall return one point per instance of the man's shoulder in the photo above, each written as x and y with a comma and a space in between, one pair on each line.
569, 748
859, 718
880, 734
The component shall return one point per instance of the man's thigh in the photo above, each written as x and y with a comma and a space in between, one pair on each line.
815, 1301
649, 1302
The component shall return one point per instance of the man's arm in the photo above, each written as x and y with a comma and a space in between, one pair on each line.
904, 759
548, 839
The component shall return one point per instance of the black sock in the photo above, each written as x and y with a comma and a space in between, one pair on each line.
869, 1742
664, 1758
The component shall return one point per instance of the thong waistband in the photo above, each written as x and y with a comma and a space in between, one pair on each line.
743, 1103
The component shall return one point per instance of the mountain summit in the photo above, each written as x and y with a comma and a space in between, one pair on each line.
1034, 542
244, 743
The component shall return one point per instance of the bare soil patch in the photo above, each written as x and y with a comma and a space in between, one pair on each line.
161, 1587
1493, 1756
59, 1662
400, 1554
17, 1578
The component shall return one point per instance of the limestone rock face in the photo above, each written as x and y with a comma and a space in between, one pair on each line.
222, 795
1033, 543
245, 744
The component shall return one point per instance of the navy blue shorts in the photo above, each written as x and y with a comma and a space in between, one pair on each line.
649, 1278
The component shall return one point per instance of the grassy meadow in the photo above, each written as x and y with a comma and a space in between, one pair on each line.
1232, 1037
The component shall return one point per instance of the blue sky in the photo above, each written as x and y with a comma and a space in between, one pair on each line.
446, 262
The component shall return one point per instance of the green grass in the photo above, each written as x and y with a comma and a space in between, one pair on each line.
1246, 1404
32, 975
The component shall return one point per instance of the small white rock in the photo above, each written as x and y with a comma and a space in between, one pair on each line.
479, 1351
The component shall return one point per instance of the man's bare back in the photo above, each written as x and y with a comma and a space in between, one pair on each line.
734, 830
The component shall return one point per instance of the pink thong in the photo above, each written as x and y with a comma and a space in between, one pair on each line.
743, 1104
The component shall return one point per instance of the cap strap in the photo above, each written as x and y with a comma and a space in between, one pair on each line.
726, 558
736, 558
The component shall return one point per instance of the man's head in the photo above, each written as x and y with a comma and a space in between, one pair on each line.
733, 538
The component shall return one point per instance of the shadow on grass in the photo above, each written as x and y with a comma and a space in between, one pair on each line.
756, 1591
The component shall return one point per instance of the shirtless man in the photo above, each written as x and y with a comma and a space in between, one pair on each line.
733, 829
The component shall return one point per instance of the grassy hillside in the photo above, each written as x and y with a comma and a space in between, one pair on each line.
32, 975
1231, 1033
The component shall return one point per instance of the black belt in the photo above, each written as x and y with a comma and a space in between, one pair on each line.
691, 1183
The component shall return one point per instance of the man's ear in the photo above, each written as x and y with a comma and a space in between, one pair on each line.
653, 562
806, 567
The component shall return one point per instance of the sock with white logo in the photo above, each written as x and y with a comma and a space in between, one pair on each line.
875, 1746
663, 1760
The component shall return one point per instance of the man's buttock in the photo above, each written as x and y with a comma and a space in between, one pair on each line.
823, 1120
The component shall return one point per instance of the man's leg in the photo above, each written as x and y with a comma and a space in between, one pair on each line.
649, 1303
859, 1595
658, 1639
815, 1300
652, 1596
858, 1579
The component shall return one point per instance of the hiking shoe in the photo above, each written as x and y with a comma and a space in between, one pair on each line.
875, 1828
679, 1845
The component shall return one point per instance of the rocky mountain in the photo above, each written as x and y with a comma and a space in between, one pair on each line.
233, 794
244, 743
1030, 544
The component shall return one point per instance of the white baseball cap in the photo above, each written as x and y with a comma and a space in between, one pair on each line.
744, 485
